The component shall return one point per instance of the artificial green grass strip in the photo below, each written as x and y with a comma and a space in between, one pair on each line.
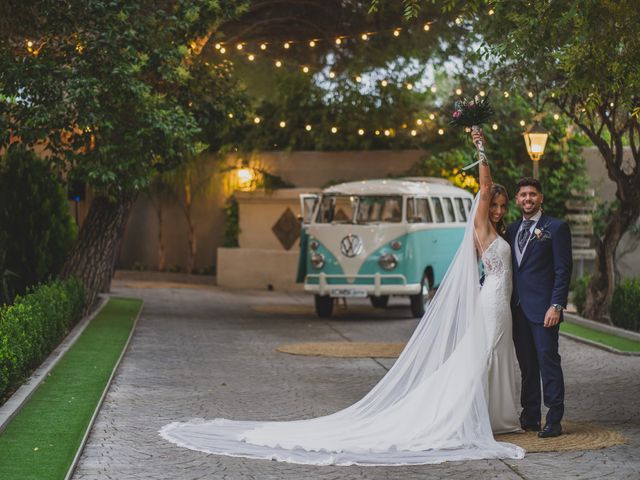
619, 343
41, 441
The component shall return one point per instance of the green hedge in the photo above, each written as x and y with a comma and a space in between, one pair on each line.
33, 326
625, 305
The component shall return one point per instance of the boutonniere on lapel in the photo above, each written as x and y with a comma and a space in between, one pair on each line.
541, 233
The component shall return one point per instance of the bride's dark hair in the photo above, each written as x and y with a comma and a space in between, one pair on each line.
497, 189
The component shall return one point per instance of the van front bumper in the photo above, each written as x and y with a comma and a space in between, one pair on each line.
346, 286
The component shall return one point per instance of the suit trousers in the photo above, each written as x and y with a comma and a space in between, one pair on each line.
537, 352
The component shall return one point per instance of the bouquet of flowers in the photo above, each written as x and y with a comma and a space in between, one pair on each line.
472, 114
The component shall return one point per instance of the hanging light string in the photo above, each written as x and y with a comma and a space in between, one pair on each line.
414, 128
224, 47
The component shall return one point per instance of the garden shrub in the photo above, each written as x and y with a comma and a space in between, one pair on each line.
33, 326
580, 292
36, 227
625, 305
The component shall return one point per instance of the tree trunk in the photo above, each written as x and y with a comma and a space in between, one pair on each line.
92, 258
602, 285
627, 180
162, 257
191, 229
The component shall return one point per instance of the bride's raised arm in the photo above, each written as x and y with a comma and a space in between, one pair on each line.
481, 220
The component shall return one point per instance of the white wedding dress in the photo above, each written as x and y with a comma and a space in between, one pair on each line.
431, 407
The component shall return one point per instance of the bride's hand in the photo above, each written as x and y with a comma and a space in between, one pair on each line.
477, 135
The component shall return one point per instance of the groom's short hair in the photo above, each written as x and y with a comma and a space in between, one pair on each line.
529, 182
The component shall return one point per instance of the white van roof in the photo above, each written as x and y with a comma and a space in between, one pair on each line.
399, 186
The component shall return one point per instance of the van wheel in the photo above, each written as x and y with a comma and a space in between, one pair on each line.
379, 302
324, 305
420, 301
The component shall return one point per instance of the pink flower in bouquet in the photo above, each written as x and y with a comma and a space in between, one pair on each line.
472, 104
457, 114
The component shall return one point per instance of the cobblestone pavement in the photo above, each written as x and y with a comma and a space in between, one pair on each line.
203, 352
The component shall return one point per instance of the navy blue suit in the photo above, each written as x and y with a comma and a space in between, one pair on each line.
541, 280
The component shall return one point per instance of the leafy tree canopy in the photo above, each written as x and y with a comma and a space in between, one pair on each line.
113, 90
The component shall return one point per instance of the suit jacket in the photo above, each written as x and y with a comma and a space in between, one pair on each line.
543, 276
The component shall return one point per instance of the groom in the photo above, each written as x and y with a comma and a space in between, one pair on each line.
542, 263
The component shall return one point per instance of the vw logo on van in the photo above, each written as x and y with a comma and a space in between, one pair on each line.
351, 245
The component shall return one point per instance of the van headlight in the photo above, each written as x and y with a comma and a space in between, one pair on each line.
317, 260
388, 261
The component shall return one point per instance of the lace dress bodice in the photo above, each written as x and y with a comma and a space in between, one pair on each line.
496, 260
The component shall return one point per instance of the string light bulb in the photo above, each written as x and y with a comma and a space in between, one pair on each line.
278, 63
358, 78
458, 20
387, 132
530, 94
230, 115
338, 41
364, 36
251, 57
556, 116
377, 132
440, 131
334, 129
223, 50
419, 121
506, 94
414, 133
426, 27
307, 127
432, 116
491, 12
282, 124
256, 120
286, 45
434, 89
312, 43
305, 69
482, 93
263, 46
494, 126
458, 91
360, 131
332, 74
239, 46
218, 46
396, 32
384, 83
409, 86
522, 123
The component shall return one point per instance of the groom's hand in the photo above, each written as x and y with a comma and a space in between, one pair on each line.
551, 318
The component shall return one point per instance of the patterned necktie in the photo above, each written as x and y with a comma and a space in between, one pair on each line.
523, 234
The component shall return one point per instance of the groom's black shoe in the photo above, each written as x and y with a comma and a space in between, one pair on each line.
530, 427
550, 430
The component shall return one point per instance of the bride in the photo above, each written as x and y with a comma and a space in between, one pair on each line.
450, 389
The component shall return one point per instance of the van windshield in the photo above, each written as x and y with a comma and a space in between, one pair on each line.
360, 209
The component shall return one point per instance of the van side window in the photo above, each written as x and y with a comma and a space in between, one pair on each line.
437, 208
462, 213
467, 204
448, 205
418, 211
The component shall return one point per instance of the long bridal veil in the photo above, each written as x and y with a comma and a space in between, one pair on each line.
430, 407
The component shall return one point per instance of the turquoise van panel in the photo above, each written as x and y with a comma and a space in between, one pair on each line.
331, 265
434, 248
419, 250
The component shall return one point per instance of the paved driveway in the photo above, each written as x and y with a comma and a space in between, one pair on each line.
204, 352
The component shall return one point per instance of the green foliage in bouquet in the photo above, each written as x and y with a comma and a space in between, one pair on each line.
470, 112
